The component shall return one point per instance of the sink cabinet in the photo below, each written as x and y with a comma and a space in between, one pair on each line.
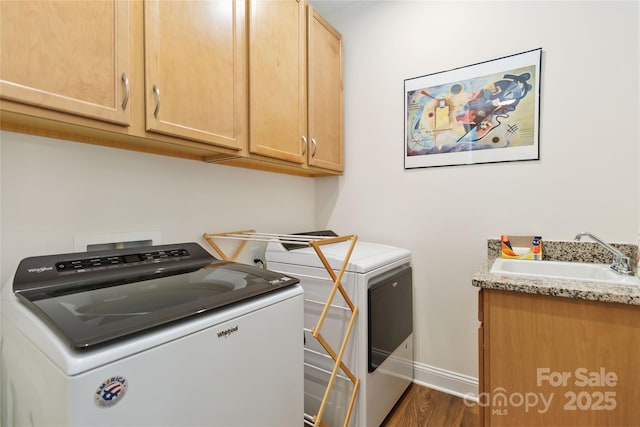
549, 360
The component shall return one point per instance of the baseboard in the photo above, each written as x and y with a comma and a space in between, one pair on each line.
449, 382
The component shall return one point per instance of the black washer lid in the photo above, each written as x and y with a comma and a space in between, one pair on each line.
94, 305
42, 276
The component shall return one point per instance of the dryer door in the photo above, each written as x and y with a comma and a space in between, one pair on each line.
390, 303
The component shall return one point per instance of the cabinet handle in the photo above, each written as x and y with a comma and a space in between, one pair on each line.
315, 147
156, 90
125, 81
304, 145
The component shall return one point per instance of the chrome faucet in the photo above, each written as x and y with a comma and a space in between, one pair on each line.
621, 264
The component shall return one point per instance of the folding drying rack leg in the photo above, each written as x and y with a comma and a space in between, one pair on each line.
315, 242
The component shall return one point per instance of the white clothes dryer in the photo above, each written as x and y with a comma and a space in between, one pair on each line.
378, 279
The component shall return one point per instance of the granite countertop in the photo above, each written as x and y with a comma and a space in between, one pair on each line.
562, 251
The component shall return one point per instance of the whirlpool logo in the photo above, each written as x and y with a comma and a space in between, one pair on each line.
227, 332
39, 269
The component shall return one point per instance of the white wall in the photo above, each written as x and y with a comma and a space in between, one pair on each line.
53, 191
586, 178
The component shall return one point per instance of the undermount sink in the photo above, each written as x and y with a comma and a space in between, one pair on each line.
579, 271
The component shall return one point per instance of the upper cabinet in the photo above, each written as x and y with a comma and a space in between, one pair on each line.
295, 85
195, 70
69, 56
249, 83
277, 79
325, 99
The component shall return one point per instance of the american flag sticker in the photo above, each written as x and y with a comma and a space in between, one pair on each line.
110, 392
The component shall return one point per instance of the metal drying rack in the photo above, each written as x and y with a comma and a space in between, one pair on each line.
315, 242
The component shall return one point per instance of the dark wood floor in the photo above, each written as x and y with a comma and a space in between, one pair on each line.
424, 407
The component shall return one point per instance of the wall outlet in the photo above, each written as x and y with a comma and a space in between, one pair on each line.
257, 257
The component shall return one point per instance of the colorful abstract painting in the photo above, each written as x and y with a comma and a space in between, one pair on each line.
482, 113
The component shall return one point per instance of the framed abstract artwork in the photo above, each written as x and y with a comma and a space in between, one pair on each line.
481, 113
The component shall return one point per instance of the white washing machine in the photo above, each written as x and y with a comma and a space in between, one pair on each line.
378, 279
156, 336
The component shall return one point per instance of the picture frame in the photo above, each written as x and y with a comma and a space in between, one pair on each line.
487, 112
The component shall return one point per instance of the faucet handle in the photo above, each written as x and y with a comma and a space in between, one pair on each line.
622, 265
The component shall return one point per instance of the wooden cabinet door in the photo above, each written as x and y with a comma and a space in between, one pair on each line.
70, 56
277, 76
195, 70
574, 361
325, 103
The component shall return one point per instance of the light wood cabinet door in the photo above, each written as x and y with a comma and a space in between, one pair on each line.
325, 103
70, 56
195, 70
549, 360
277, 79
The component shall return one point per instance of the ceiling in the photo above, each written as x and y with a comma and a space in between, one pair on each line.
327, 8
